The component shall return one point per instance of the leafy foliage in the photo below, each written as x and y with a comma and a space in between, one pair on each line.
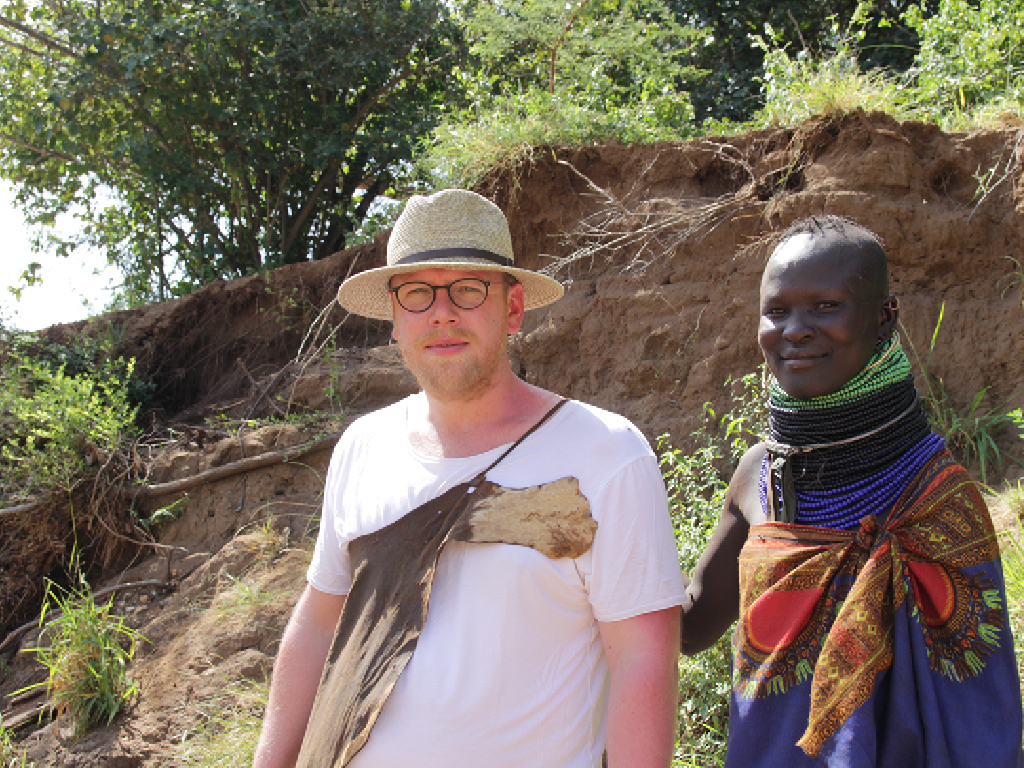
200, 141
696, 486
801, 86
87, 657
733, 89
972, 53
58, 414
547, 72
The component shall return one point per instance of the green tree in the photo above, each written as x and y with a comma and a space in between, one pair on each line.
555, 72
971, 53
601, 53
733, 89
200, 141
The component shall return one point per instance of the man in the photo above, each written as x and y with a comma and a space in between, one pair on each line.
487, 622
872, 613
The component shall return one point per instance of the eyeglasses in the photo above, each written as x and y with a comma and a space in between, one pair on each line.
466, 293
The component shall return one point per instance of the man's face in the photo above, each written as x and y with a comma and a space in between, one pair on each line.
457, 354
820, 316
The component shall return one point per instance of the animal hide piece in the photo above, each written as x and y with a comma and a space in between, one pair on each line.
392, 574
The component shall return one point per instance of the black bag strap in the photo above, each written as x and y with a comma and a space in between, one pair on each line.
543, 419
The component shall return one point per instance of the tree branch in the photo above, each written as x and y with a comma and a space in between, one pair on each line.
330, 173
351, 125
46, 40
38, 150
234, 468
21, 47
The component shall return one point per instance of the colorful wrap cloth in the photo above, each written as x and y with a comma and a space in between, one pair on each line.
879, 646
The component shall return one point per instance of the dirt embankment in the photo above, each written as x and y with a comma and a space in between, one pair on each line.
661, 247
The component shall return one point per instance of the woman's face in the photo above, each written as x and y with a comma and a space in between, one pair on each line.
821, 315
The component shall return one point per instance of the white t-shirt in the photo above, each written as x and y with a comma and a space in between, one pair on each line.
509, 669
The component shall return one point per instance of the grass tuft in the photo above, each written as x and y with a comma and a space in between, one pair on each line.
10, 755
231, 730
87, 656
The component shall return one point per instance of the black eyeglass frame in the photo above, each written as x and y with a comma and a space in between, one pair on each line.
434, 289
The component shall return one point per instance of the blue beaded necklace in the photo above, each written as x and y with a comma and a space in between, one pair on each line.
830, 465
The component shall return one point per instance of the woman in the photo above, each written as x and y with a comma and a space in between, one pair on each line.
872, 619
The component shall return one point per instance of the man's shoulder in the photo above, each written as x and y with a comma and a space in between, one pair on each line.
593, 426
383, 424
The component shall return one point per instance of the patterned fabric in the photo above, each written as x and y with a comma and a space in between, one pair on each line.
828, 615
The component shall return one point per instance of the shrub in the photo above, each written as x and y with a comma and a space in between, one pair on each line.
506, 133
803, 85
972, 53
58, 414
86, 650
549, 72
696, 484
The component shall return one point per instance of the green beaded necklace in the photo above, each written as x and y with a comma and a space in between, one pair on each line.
887, 365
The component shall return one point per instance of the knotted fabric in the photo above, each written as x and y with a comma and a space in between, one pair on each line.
819, 603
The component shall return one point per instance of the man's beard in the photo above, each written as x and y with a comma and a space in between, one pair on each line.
465, 380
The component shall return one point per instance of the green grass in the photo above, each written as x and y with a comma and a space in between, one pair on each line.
1013, 572
971, 433
231, 728
87, 651
10, 755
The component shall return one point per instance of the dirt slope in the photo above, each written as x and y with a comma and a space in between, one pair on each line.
661, 247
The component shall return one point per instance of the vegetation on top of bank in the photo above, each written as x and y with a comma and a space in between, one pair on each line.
64, 411
192, 143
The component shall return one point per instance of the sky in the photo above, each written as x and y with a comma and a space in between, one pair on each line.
72, 289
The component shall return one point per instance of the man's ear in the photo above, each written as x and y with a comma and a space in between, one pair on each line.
888, 317
516, 308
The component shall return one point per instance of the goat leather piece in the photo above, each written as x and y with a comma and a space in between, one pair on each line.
392, 573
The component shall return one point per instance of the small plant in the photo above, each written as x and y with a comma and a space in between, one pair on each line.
1014, 279
228, 737
87, 652
696, 484
10, 755
969, 434
242, 594
1017, 416
164, 515
1014, 496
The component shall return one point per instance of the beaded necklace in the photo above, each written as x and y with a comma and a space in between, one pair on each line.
833, 459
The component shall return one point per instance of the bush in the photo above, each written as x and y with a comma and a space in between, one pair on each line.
548, 72
506, 133
696, 484
58, 415
972, 53
87, 652
801, 86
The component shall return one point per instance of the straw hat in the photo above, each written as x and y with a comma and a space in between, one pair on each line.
451, 229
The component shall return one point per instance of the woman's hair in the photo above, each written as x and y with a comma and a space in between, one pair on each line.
846, 234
